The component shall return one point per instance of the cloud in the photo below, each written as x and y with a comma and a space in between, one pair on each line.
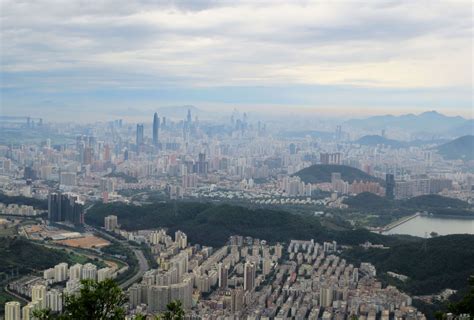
54, 46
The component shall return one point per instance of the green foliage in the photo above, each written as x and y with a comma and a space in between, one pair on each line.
28, 256
434, 201
96, 300
368, 209
466, 304
21, 200
211, 224
175, 311
432, 264
322, 173
368, 201
117, 249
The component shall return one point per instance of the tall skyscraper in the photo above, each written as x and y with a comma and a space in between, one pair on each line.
140, 135
389, 185
156, 129
188, 118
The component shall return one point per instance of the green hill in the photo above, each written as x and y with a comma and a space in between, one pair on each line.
432, 264
460, 148
210, 224
322, 173
369, 201
429, 202
434, 201
28, 256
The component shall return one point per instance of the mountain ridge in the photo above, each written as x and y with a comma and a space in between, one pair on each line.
460, 148
429, 121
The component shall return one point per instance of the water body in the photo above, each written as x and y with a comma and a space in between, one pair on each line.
424, 225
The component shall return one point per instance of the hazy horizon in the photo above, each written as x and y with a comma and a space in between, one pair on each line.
327, 59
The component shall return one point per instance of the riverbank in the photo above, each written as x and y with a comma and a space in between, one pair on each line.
396, 223
425, 225
447, 216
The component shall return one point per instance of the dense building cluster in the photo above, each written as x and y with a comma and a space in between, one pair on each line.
250, 279
49, 291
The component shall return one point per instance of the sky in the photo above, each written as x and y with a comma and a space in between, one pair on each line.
330, 57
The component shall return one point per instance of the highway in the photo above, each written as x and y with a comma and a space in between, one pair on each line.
142, 261
12, 293
142, 268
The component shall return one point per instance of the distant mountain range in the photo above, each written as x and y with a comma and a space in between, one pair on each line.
467, 128
319, 173
428, 122
460, 148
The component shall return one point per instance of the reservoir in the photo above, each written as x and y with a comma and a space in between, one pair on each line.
422, 226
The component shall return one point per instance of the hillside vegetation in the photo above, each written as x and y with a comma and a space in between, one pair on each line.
432, 264
21, 200
431, 201
372, 210
211, 224
28, 256
319, 173
369, 201
460, 148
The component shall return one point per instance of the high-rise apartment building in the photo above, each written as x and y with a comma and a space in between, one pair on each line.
111, 223
54, 300
250, 273
389, 185
237, 300
89, 271
181, 239
223, 275
330, 158
38, 294
12, 310
75, 272
65, 208
60, 272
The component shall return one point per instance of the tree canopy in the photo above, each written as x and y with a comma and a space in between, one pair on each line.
96, 300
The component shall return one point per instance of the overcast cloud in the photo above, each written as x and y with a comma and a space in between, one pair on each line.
379, 50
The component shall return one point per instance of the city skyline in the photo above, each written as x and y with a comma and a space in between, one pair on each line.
254, 160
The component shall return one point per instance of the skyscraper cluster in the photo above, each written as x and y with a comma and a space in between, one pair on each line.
63, 207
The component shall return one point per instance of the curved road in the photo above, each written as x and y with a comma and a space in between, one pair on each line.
142, 261
12, 293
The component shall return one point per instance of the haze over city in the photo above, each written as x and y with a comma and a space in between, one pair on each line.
244, 160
